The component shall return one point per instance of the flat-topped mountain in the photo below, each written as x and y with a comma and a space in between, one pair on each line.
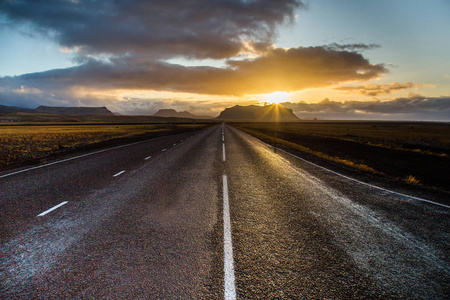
79, 111
74, 111
172, 113
268, 113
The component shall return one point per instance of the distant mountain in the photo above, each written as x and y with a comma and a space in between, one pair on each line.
268, 113
74, 111
172, 113
11, 109
78, 111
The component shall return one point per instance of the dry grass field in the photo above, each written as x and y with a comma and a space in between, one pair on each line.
413, 152
23, 143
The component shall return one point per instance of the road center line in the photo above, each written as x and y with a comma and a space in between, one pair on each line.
223, 152
228, 262
148, 157
121, 172
163, 150
52, 209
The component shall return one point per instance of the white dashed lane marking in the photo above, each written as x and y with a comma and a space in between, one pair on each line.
52, 209
121, 172
229, 278
223, 152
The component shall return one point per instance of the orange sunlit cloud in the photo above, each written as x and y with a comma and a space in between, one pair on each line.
277, 70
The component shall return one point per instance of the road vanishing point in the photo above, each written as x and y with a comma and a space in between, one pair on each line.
215, 214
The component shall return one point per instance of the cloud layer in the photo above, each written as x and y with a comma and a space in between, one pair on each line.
407, 108
278, 70
377, 89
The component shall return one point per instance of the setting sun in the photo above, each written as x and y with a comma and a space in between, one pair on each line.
276, 97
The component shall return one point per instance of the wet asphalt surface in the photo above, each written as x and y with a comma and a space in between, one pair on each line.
155, 231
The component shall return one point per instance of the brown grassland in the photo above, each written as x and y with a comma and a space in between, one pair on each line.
413, 152
22, 144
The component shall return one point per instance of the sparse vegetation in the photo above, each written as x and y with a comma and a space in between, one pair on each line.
411, 180
413, 152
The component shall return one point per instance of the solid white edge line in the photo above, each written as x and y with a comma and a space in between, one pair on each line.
355, 180
365, 183
121, 172
228, 262
52, 209
223, 152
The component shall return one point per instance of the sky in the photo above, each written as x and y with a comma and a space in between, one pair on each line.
343, 59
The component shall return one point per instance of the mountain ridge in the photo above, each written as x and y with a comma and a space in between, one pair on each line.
172, 113
254, 113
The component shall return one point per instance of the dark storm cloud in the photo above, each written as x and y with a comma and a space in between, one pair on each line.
414, 107
156, 29
278, 70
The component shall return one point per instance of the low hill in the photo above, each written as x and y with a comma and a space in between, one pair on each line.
172, 113
268, 113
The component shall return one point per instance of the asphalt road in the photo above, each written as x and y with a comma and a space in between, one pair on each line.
212, 215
